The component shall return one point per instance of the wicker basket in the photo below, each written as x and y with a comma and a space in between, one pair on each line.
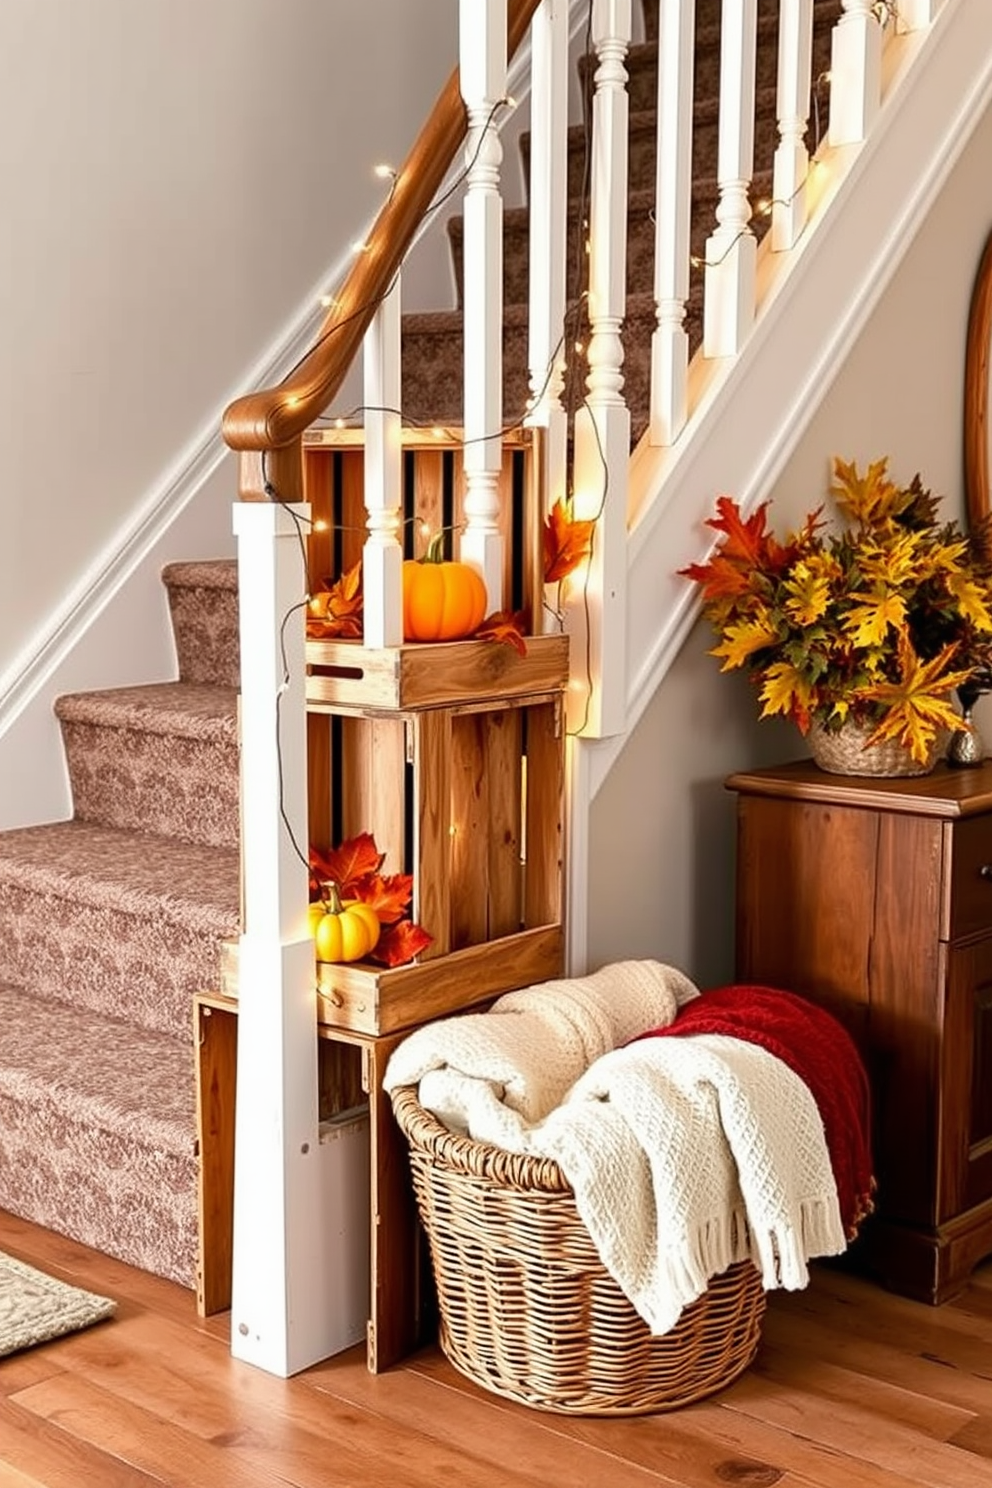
527, 1308
847, 752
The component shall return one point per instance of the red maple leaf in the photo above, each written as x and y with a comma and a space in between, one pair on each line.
567, 542
400, 943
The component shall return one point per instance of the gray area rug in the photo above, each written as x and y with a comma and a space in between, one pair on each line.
35, 1308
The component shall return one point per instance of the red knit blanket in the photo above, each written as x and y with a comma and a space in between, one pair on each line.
821, 1052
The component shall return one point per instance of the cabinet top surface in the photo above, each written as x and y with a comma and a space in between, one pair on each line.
944, 792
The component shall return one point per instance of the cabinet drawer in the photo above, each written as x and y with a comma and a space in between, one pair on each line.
971, 877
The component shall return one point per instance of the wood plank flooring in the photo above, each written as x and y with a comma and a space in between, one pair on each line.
853, 1388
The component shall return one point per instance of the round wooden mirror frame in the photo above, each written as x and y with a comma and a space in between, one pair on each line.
978, 497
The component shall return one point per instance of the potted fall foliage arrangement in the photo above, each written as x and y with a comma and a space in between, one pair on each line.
867, 631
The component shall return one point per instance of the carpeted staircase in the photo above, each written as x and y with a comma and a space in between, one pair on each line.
110, 922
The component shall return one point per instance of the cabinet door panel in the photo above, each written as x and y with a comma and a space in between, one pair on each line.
966, 1084
971, 877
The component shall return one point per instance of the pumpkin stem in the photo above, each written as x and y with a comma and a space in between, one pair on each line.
330, 897
435, 549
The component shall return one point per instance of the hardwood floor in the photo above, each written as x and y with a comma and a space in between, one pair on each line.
852, 1388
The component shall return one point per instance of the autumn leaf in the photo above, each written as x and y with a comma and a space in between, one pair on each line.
720, 578
866, 499
785, 690
747, 541
400, 943
336, 612
347, 865
389, 896
742, 641
506, 626
807, 594
916, 703
868, 624
567, 542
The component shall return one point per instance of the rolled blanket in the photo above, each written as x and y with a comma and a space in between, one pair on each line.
493, 1075
821, 1052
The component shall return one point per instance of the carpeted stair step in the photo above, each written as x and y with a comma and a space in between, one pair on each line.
98, 1133
162, 758
203, 602
643, 141
640, 237
119, 923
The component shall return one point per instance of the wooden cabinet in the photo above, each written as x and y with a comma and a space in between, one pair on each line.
874, 897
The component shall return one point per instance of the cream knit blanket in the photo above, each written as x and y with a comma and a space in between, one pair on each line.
685, 1155
495, 1075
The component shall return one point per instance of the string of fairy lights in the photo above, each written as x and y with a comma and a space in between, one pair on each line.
568, 356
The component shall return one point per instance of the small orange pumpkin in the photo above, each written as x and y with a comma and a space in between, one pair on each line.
442, 600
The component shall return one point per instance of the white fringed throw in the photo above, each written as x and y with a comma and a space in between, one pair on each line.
685, 1155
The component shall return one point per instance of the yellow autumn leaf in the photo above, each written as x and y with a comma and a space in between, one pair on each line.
917, 703
868, 624
895, 563
785, 690
972, 600
742, 640
867, 499
807, 595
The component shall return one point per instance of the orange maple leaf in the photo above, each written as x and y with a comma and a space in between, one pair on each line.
356, 859
506, 626
388, 896
400, 943
336, 611
567, 541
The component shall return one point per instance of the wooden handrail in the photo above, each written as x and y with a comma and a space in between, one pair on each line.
273, 418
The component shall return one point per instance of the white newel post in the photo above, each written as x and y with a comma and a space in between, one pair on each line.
791, 169
482, 46
673, 197
548, 203
855, 73
731, 251
382, 556
280, 1314
602, 424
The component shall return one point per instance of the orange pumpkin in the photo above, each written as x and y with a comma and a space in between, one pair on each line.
442, 600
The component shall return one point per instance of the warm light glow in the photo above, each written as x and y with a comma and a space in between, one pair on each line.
320, 525
328, 301
510, 101
339, 423
384, 171
292, 402
763, 207
359, 247
425, 528
580, 347
438, 432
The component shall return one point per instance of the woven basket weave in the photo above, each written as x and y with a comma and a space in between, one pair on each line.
846, 752
528, 1309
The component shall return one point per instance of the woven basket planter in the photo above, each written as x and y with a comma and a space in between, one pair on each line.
846, 752
527, 1308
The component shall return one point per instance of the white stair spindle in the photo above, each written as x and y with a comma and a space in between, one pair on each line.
673, 199
382, 556
791, 168
855, 73
602, 424
548, 203
731, 250
281, 1313
916, 15
483, 84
